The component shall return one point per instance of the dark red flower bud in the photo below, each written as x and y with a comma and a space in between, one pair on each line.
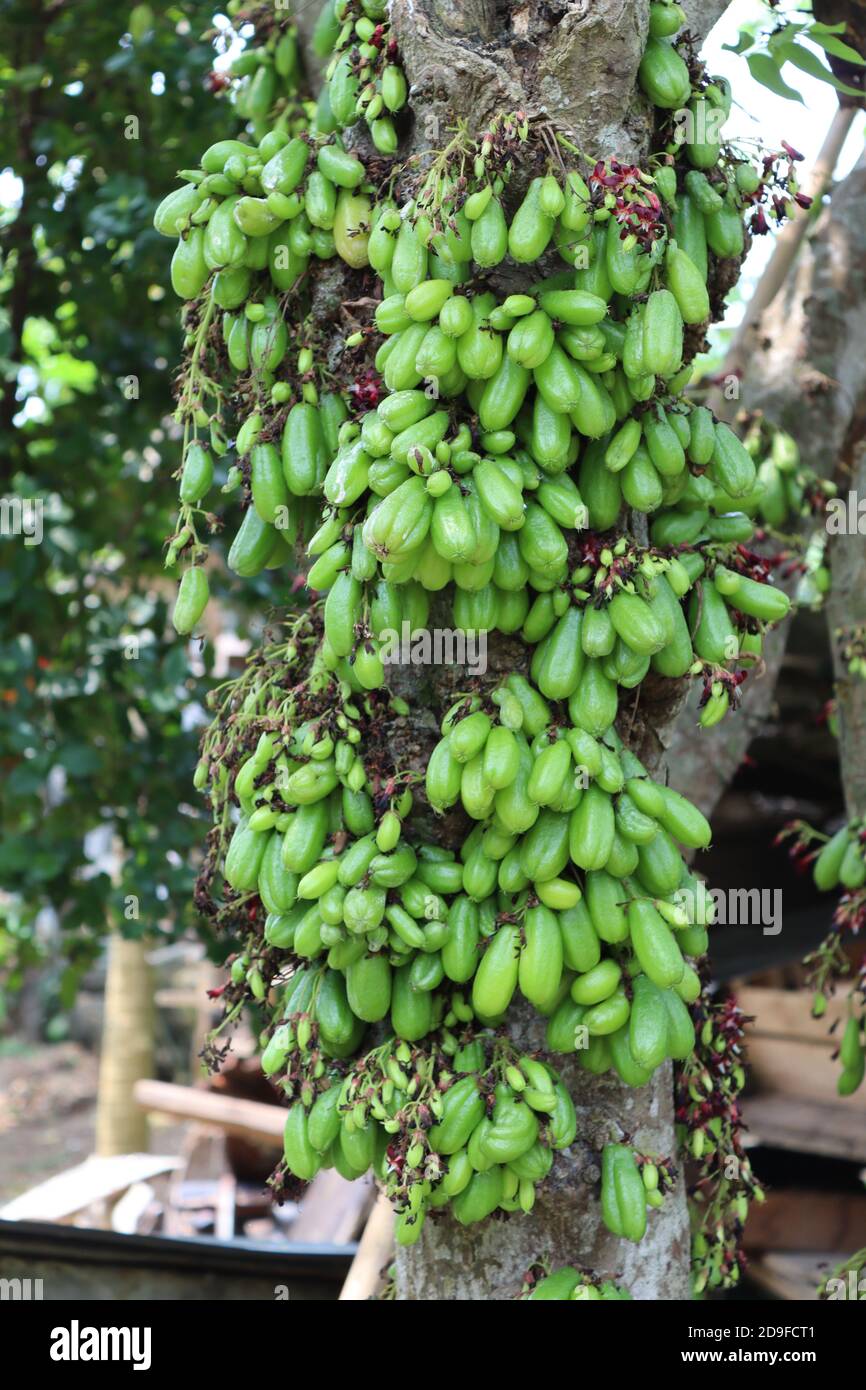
758, 223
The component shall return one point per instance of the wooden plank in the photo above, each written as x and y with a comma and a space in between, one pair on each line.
332, 1210
96, 1180
798, 1069
224, 1216
787, 1013
806, 1126
365, 1276
232, 1116
203, 1155
803, 1221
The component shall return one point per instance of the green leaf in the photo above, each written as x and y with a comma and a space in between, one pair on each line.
745, 39
810, 63
79, 759
816, 27
70, 371
838, 48
766, 71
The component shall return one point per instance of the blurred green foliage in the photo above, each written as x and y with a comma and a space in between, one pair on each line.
97, 698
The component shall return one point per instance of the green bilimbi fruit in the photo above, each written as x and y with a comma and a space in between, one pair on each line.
174, 212
191, 601
351, 228
409, 262
715, 637
531, 228
732, 465
623, 1196
701, 190
489, 235
635, 622
540, 964
687, 285
663, 75
702, 436
662, 334
690, 232
504, 393
269, 492
724, 232
591, 830
531, 339
224, 242
829, 861
641, 485
197, 475
654, 944
747, 596
189, 269
497, 974
624, 263
704, 152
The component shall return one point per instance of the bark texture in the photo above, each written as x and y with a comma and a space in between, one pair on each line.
846, 607
810, 378
576, 65
802, 361
486, 1262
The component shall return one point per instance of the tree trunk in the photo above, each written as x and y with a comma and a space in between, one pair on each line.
811, 380
127, 1048
575, 65
846, 607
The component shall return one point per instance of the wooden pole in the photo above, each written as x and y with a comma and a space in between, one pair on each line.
127, 1048
374, 1251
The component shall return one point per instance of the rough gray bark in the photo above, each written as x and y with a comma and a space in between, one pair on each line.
810, 379
846, 606
569, 60
809, 375
804, 369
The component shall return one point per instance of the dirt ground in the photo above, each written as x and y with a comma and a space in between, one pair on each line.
47, 1112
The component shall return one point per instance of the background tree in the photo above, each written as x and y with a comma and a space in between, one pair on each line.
98, 710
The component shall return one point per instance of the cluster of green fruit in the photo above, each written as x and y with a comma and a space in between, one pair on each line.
363, 77
340, 877
841, 861
464, 1121
788, 489
493, 451
505, 526
630, 1183
269, 207
365, 924
266, 73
